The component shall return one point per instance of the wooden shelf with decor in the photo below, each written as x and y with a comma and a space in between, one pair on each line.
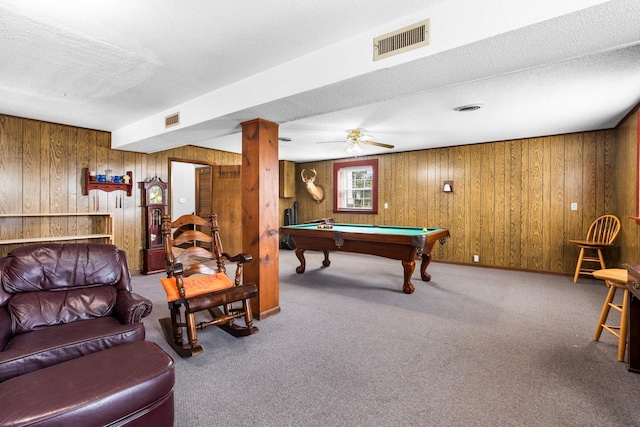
102, 222
105, 186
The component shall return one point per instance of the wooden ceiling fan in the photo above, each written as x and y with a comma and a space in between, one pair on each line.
356, 138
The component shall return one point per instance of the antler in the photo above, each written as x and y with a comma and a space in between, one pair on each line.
308, 180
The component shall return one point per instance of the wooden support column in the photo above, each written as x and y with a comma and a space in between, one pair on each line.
260, 235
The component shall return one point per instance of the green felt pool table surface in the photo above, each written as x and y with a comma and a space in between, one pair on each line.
368, 228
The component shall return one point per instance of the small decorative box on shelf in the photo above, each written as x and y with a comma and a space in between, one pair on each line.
100, 182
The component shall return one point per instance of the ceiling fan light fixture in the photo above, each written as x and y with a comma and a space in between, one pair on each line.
354, 148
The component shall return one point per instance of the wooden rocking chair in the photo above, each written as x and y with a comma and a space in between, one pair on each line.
197, 281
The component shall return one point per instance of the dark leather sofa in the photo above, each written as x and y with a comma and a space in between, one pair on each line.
72, 348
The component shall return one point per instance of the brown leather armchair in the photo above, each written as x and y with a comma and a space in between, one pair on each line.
62, 301
72, 347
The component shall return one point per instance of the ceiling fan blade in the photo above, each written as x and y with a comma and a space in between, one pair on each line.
378, 144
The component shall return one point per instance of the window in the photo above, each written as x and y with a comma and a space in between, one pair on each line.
355, 187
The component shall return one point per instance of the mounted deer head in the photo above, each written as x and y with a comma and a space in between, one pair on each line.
316, 191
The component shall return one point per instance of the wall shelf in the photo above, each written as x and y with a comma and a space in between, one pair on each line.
106, 224
105, 186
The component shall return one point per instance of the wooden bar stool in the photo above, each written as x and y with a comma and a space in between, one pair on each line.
615, 278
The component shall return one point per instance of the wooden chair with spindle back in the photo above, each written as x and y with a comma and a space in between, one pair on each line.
601, 234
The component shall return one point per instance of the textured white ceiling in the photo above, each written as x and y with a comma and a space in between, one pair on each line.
538, 69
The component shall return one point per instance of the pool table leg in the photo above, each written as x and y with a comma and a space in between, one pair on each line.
407, 286
303, 263
326, 261
426, 259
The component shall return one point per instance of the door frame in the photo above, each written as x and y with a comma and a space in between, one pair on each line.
181, 160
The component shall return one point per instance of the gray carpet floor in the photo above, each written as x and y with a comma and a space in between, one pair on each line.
473, 347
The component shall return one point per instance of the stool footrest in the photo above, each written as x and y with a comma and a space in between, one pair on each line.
615, 330
616, 307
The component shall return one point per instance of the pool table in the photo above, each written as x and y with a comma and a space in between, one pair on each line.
401, 243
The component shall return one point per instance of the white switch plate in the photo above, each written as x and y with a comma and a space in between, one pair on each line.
574, 206
476, 258
386, 205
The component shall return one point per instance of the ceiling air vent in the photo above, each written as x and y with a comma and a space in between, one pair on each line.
172, 120
402, 40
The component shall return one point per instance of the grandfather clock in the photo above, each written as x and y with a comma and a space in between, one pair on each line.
155, 203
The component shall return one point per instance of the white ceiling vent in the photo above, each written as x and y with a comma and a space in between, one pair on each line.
172, 120
402, 40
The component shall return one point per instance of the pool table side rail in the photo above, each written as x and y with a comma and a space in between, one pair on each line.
330, 234
364, 228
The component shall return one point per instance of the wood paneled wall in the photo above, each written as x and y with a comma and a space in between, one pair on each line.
510, 203
626, 177
40, 171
